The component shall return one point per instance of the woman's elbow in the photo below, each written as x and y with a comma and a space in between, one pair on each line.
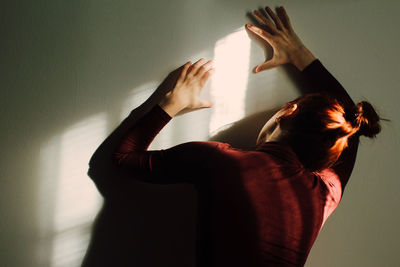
118, 158
96, 165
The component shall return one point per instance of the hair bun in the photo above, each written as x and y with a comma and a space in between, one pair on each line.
368, 119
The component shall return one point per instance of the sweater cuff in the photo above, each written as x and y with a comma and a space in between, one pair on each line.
163, 115
315, 64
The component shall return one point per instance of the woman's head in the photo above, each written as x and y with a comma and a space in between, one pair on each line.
317, 127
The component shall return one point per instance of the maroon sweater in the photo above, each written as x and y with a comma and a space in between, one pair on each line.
256, 207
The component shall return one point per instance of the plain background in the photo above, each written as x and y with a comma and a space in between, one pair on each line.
71, 71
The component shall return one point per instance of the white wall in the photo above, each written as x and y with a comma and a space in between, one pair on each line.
70, 71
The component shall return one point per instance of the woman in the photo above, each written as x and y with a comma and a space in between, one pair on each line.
262, 207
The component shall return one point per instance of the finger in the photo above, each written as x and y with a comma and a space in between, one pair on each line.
206, 67
275, 18
264, 21
263, 34
265, 66
195, 67
285, 18
206, 76
184, 71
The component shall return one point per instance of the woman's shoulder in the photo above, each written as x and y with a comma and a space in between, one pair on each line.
332, 181
203, 146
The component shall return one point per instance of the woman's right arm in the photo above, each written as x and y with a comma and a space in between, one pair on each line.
321, 80
288, 48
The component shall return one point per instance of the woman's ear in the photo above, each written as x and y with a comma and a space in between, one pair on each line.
287, 113
292, 109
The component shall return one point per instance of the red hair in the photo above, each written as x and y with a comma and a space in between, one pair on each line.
319, 128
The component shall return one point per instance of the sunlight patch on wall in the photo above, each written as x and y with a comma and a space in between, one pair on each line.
77, 197
229, 83
68, 193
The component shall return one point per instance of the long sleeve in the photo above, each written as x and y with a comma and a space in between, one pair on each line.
108, 179
130, 149
321, 81
179, 164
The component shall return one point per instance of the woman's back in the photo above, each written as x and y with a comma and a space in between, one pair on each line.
261, 206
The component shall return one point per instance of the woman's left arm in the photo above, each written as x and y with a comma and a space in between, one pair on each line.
131, 152
125, 148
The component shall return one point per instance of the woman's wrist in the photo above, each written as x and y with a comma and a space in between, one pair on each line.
302, 58
170, 108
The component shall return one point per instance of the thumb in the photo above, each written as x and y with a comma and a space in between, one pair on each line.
206, 104
265, 66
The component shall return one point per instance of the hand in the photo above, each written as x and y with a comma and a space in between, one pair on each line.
287, 46
186, 93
